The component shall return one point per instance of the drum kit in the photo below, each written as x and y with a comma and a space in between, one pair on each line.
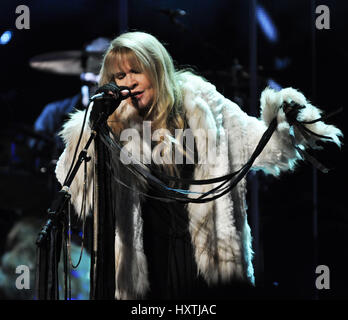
27, 175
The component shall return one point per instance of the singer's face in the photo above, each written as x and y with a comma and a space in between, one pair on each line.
138, 82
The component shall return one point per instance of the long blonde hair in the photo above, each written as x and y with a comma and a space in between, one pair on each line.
145, 53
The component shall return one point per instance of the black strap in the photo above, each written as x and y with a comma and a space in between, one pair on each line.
291, 111
104, 277
219, 191
229, 181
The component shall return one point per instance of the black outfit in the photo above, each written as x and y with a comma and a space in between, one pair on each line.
172, 268
167, 246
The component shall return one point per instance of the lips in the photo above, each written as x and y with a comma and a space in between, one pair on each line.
137, 94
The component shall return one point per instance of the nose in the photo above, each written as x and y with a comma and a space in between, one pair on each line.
131, 81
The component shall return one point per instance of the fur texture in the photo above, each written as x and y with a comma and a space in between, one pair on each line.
219, 230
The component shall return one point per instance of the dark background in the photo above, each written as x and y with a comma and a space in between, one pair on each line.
209, 38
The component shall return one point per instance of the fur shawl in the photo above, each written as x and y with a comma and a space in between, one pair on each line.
220, 233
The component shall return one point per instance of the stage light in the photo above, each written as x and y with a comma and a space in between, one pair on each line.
75, 273
6, 37
281, 63
274, 85
266, 24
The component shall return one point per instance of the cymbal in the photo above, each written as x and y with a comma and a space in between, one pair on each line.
63, 62
235, 78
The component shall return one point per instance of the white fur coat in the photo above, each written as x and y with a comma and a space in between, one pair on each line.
219, 229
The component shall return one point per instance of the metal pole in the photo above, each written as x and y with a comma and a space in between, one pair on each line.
122, 16
314, 170
253, 179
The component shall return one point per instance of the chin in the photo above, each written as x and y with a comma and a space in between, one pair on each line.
126, 111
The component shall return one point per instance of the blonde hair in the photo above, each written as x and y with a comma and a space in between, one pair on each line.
145, 53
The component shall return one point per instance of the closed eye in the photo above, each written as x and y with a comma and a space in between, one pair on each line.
120, 75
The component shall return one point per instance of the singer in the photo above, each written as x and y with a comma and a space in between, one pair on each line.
169, 249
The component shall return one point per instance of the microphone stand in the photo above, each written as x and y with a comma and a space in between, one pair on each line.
58, 204
63, 196
50, 237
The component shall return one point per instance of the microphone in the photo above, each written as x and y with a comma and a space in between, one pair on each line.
173, 13
106, 100
111, 90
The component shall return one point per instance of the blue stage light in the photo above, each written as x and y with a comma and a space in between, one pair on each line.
266, 24
281, 63
6, 37
75, 273
274, 85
